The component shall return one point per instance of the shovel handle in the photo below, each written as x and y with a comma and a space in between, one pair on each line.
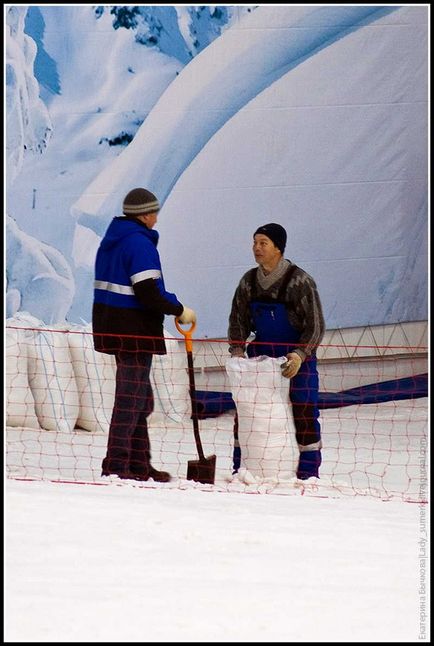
186, 334
189, 348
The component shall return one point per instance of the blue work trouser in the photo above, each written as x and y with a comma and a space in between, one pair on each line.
303, 393
128, 448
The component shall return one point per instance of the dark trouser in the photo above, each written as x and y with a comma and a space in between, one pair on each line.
128, 448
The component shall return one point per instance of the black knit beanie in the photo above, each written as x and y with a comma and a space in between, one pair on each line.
139, 201
275, 232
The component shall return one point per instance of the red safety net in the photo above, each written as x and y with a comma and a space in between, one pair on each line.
60, 395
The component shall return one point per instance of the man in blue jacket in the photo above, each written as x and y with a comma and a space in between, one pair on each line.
130, 302
279, 302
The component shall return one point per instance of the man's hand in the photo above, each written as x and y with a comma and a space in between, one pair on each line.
237, 352
292, 365
188, 316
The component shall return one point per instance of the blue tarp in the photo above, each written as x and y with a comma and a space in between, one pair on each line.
213, 403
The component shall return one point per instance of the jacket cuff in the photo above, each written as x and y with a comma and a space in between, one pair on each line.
300, 353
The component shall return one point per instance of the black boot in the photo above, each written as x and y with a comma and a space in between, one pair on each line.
157, 476
110, 468
309, 464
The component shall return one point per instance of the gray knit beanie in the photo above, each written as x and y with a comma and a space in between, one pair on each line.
139, 201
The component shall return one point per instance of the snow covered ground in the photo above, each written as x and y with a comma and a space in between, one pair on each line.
371, 450
133, 564
88, 560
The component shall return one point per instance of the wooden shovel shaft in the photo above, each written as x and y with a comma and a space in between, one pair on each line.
189, 347
194, 413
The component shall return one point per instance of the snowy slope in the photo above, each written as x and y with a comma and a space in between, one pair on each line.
314, 117
284, 129
99, 83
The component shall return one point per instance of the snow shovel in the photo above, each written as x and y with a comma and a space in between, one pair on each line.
203, 469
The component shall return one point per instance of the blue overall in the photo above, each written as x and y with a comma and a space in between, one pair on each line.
276, 337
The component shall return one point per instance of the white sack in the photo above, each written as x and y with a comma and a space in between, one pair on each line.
266, 428
169, 377
95, 373
50, 372
20, 403
95, 377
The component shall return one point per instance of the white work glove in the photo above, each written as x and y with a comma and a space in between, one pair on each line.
237, 352
188, 315
291, 365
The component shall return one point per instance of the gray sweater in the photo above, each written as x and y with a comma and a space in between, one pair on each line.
301, 299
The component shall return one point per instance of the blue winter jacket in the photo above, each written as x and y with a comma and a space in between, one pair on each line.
130, 299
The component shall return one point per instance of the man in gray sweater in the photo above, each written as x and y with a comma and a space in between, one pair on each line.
279, 303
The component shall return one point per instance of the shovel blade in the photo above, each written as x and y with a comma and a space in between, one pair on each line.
202, 470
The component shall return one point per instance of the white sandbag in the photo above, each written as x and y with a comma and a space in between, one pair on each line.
169, 376
51, 375
95, 374
20, 403
266, 428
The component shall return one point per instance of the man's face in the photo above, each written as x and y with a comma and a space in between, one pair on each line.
150, 219
265, 251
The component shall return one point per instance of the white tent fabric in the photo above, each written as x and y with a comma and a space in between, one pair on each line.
325, 136
311, 116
